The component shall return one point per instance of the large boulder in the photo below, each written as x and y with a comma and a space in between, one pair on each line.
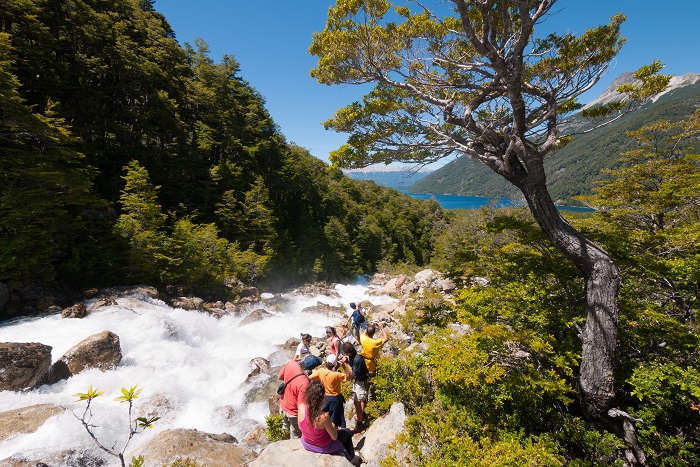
188, 303
212, 450
100, 350
101, 302
258, 365
383, 432
23, 364
26, 419
324, 308
254, 316
76, 311
291, 453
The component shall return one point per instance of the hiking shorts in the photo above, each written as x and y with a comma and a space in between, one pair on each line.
360, 391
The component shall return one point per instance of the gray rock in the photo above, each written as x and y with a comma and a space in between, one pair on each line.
26, 419
212, 450
100, 350
255, 316
101, 302
382, 432
290, 453
76, 311
22, 365
188, 303
258, 365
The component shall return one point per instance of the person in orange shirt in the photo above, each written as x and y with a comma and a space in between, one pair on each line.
332, 382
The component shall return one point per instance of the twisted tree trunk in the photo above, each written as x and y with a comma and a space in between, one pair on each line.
599, 336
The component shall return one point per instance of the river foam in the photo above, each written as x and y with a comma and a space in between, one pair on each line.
194, 362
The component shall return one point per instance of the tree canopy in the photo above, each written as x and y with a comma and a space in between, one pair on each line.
474, 77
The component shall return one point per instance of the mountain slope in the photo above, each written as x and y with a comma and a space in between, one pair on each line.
397, 179
574, 169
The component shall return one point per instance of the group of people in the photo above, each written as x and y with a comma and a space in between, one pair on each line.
312, 402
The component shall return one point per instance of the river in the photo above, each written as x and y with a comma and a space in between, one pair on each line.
198, 363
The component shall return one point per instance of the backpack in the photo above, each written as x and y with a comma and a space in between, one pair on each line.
283, 386
357, 318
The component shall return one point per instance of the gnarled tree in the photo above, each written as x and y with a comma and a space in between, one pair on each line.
473, 78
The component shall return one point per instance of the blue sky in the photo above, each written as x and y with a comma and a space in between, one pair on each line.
270, 40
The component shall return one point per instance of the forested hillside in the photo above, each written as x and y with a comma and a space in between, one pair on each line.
574, 169
126, 157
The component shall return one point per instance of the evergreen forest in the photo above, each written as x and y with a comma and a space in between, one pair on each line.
128, 158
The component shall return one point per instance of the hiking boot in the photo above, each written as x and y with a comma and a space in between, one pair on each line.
357, 460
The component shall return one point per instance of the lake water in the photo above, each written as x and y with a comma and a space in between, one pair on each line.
476, 202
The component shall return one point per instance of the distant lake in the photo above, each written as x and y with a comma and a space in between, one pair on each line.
476, 202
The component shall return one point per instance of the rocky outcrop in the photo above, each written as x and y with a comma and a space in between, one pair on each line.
291, 453
22, 365
101, 302
325, 309
76, 311
188, 303
65, 458
254, 316
100, 350
381, 434
212, 450
26, 419
258, 365
318, 288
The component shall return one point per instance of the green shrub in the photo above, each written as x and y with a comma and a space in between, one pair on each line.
275, 427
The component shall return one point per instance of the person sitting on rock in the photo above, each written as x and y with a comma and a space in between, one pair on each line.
303, 349
292, 373
332, 382
318, 433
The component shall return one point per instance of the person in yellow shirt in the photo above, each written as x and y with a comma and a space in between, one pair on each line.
372, 346
332, 382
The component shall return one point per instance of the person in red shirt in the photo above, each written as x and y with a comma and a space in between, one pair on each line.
292, 373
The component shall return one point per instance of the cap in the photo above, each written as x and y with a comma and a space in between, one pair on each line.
352, 305
311, 362
331, 359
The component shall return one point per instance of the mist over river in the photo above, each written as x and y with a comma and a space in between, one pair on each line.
195, 362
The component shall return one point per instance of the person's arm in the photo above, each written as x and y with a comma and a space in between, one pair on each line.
346, 368
281, 376
385, 337
328, 425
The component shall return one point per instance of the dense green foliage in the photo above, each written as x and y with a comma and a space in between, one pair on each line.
128, 157
496, 385
572, 170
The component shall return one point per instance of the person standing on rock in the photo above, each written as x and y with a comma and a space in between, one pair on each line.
318, 433
372, 346
360, 385
359, 323
292, 373
332, 382
333, 341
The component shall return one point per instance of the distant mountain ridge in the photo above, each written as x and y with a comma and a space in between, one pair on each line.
573, 170
397, 178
